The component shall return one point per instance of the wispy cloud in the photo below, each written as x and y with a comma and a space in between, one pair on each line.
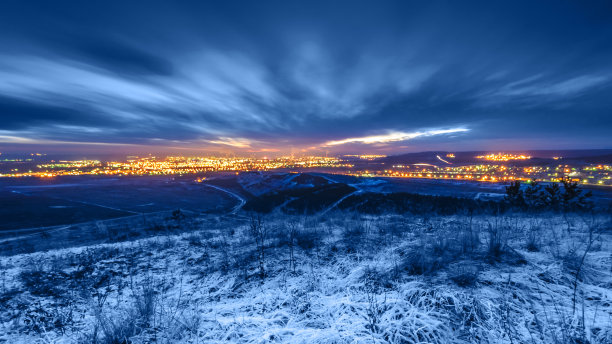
16, 139
275, 76
562, 88
394, 137
25, 139
538, 90
232, 142
211, 93
333, 88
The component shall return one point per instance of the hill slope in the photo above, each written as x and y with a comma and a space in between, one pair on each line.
346, 278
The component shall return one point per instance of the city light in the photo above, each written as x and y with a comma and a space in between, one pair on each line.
500, 169
173, 165
503, 157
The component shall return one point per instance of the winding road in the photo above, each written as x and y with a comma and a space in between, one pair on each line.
335, 204
233, 194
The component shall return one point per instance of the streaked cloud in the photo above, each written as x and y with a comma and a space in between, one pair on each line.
539, 90
299, 76
562, 88
395, 136
232, 142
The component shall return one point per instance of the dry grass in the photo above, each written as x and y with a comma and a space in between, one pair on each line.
343, 279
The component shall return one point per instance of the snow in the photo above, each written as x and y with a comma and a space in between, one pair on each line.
342, 291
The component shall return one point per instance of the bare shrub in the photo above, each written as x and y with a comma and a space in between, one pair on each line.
533, 239
435, 251
376, 306
292, 232
39, 280
112, 232
496, 239
389, 230
144, 302
114, 330
259, 234
41, 319
196, 239
464, 275
307, 239
119, 327
425, 260
469, 237
353, 234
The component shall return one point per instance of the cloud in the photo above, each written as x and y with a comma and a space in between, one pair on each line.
12, 137
210, 93
538, 90
394, 137
290, 76
121, 58
15, 139
18, 114
332, 88
232, 142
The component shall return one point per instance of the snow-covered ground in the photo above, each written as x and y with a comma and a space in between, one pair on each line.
351, 279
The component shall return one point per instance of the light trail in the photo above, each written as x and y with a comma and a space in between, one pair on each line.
440, 158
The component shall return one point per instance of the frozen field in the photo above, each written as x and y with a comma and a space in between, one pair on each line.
344, 278
66, 201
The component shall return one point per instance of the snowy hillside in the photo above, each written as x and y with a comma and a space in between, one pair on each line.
345, 278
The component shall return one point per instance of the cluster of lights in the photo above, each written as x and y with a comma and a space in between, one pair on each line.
485, 173
503, 157
70, 164
365, 156
594, 174
179, 165
174, 165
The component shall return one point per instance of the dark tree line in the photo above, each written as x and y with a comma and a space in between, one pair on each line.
402, 202
563, 196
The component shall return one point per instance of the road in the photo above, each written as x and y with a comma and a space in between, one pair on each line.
356, 192
36, 231
233, 194
84, 202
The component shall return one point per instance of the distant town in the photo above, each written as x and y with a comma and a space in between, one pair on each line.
491, 167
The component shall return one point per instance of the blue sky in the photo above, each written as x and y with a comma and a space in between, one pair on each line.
305, 76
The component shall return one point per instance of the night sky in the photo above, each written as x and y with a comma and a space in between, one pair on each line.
305, 76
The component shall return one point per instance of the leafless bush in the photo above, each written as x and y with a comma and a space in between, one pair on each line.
469, 237
533, 239
292, 232
353, 234
114, 330
594, 230
118, 327
196, 239
144, 302
376, 306
424, 260
113, 233
259, 234
40, 280
390, 230
507, 315
307, 239
41, 319
436, 249
464, 275
496, 239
